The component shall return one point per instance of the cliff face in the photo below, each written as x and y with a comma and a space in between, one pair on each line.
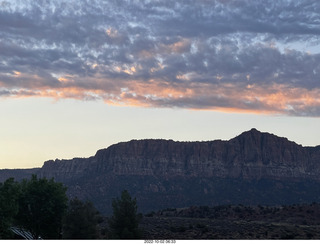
252, 168
251, 155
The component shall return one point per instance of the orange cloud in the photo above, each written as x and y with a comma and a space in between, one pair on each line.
227, 97
180, 46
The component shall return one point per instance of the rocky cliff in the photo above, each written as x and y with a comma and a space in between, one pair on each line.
251, 155
252, 168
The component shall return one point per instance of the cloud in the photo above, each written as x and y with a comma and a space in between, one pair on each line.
237, 55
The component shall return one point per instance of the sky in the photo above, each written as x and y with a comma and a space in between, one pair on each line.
79, 75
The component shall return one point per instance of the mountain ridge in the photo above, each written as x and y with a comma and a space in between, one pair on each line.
252, 168
264, 153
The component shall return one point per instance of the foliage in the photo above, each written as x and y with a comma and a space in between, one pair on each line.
9, 193
42, 205
125, 220
81, 221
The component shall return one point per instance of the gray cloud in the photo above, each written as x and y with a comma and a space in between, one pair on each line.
100, 47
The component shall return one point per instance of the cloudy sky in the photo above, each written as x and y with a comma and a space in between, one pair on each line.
77, 76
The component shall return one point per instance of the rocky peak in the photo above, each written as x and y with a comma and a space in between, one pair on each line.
255, 137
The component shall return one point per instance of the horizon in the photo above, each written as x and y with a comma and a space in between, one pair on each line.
262, 132
76, 77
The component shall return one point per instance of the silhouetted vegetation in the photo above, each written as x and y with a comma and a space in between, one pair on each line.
41, 207
36, 206
125, 221
9, 207
81, 221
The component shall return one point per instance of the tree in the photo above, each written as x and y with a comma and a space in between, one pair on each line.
9, 194
42, 204
125, 220
81, 221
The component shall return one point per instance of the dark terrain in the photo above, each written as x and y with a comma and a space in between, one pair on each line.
243, 177
234, 222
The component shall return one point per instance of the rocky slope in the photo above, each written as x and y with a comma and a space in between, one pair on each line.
252, 168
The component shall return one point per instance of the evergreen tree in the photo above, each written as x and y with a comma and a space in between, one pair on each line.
81, 221
125, 220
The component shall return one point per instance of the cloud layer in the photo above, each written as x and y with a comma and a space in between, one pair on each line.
231, 55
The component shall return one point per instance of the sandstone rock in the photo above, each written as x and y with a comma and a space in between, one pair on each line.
252, 168
251, 155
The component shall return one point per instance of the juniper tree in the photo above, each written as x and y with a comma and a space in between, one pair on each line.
125, 220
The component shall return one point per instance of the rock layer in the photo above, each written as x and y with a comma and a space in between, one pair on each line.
251, 155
